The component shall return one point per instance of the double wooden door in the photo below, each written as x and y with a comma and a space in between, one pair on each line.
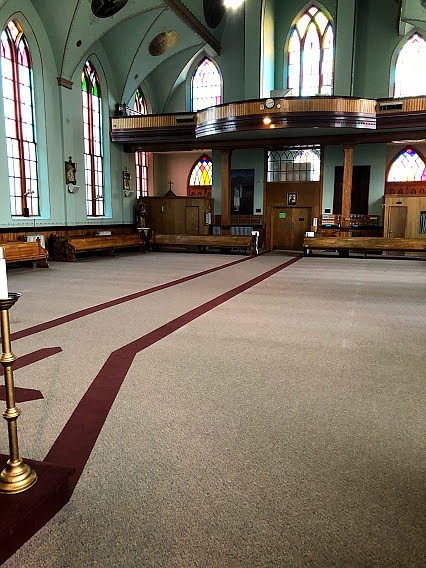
289, 225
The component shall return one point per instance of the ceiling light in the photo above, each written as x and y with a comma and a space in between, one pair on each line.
234, 4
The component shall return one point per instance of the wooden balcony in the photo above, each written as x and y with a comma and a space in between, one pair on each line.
326, 120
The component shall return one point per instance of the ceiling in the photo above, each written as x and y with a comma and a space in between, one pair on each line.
126, 36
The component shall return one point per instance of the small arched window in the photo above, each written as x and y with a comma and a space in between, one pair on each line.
141, 158
19, 114
206, 85
310, 54
408, 165
93, 147
410, 68
201, 178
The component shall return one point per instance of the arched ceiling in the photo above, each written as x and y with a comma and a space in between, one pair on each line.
125, 36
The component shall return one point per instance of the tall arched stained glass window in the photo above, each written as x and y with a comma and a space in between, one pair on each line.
92, 132
18, 101
141, 158
310, 54
410, 69
407, 166
206, 85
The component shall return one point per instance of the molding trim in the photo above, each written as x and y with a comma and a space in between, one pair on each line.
62, 82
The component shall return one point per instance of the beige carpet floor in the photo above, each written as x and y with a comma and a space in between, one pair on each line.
283, 428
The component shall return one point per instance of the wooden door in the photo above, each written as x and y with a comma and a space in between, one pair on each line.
289, 225
281, 228
191, 220
301, 218
397, 221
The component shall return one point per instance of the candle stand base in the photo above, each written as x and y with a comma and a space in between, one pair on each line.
17, 477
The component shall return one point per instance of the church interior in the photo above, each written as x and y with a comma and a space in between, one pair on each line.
226, 201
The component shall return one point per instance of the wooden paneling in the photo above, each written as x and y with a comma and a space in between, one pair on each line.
169, 215
288, 105
405, 188
412, 206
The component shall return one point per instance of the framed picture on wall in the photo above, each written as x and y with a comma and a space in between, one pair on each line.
291, 198
242, 191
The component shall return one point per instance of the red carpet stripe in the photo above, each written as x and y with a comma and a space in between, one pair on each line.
22, 395
33, 357
76, 441
93, 309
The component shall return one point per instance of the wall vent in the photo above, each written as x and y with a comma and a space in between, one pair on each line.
390, 106
185, 119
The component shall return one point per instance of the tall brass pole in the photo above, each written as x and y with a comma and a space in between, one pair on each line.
16, 476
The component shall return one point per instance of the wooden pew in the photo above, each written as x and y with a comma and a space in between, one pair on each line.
66, 248
19, 251
202, 242
362, 244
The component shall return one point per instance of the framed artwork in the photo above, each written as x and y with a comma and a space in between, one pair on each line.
291, 198
70, 171
242, 192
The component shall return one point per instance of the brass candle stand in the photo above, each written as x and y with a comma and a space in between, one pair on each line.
17, 476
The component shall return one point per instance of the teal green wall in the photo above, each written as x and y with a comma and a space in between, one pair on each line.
376, 39
373, 155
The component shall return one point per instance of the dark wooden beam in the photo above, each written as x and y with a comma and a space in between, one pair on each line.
196, 26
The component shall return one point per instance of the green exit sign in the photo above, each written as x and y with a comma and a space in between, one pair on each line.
282, 215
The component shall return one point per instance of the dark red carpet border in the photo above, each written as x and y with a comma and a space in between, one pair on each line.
74, 444
93, 309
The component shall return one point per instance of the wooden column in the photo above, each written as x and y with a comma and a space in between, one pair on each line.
348, 162
226, 187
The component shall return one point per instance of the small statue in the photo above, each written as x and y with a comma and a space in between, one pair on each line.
141, 212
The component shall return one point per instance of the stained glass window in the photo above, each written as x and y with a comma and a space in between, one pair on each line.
407, 166
202, 172
310, 55
92, 134
294, 164
206, 85
18, 102
410, 69
141, 158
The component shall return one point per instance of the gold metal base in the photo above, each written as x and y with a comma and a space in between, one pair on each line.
17, 477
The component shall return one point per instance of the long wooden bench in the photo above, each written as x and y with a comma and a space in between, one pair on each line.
66, 248
18, 251
202, 242
365, 245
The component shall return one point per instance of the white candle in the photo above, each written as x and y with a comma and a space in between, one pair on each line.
4, 293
